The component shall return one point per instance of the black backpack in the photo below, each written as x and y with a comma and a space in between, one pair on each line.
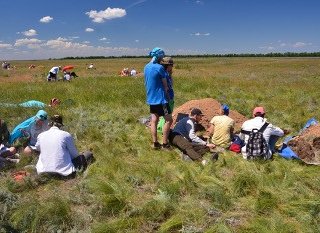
257, 146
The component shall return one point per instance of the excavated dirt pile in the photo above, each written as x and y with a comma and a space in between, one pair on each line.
307, 145
210, 108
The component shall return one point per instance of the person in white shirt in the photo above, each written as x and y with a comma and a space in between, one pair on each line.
57, 150
52, 76
133, 72
271, 134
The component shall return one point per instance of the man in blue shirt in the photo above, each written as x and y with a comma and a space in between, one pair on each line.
157, 97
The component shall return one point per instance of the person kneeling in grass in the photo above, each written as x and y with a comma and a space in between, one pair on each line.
58, 153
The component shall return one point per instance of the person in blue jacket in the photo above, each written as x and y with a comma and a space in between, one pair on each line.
29, 130
33, 104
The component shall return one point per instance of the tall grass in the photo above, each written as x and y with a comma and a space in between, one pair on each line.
130, 187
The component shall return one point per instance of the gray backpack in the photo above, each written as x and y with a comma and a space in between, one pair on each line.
256, 146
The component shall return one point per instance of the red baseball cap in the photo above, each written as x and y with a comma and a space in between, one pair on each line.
258, 109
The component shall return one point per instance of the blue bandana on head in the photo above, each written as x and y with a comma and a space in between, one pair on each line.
156, 53
225, 109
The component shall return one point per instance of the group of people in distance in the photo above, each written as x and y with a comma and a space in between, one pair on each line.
126, 72
160, 98
42, 136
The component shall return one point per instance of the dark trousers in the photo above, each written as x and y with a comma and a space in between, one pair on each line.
52, 77
195, 152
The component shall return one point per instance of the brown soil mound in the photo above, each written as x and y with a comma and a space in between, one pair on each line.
210, 108
307, 145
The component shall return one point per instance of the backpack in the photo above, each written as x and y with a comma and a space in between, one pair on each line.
236, 144
257, 146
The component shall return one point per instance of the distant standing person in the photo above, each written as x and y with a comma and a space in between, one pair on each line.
157, 97
52, 76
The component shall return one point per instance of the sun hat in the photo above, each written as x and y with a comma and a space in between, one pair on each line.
157, 52
166, 61
196, 111
42, 115
258, 109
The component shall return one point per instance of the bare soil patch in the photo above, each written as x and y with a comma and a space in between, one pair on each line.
210, 108
307, 145
16, 78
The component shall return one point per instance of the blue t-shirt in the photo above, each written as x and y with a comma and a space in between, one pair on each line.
153, 75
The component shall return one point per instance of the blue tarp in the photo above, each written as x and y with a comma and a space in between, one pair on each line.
285, 150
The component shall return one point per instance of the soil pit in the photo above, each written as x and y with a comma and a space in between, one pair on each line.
307, 145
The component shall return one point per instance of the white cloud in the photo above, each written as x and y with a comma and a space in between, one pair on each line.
30, 32
46, 19
5, 46
200, 34
199, 2
103, 38
89, 30
137, 41
267, 47
283, 44
27, 42
107, 14
301, 44
61, 44
86, 42
62, 39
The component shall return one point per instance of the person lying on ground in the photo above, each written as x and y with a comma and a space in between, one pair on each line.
185, 138
221, 128
25, 134
58, 153
33, 104
270, 132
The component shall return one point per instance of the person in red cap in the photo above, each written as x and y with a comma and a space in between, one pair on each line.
271, 133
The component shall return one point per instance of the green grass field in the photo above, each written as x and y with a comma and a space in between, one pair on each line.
130, 187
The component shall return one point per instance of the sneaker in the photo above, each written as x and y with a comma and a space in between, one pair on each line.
166, 146
214, 156
156, 146
185, 157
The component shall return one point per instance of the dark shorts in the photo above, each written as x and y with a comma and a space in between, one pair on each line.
161, 109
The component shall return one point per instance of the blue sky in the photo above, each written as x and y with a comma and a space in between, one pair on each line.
41, 29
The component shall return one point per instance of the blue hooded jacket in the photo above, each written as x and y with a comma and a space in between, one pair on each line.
25, 126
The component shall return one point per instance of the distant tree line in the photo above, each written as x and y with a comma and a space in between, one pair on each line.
287, 54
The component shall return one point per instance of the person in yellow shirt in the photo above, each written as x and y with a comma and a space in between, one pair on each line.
221, 128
